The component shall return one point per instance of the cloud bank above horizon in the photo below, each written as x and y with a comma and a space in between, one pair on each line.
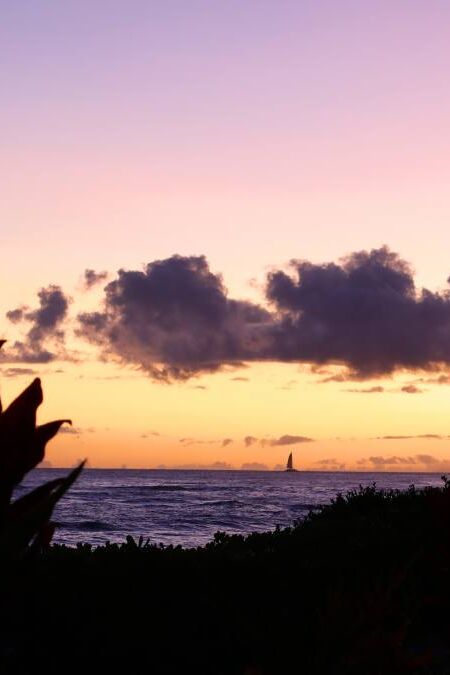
174, 319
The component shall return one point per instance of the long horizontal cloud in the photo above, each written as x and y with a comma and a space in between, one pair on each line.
380, 461
174, 318
286, 439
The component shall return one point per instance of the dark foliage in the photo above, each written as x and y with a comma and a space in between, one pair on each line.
26, 521
361, 586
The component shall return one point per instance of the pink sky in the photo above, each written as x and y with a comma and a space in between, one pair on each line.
249, 132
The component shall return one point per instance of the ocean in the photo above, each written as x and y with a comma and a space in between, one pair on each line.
188, 507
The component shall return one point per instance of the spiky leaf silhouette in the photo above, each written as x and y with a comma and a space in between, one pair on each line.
22, 448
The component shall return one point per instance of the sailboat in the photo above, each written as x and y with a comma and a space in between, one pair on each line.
290, 464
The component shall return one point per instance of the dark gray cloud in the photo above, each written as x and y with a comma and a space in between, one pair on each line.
91, 278
364, 313
174, 320
46, 325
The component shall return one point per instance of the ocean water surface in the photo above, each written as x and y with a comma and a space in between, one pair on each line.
188, 507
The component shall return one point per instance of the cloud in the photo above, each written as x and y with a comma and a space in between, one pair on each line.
427, 459
17, 372
254, 466
250, 440
91, 278
70, 431
363, 313
330, 465
226, 441
287, 439
196, 441
214, 466
402, 438
388, 461
174, 320
366, 390
411, 389
240, 379
439, 379
45, 322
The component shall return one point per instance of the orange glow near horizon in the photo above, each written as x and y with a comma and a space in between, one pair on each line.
124, 419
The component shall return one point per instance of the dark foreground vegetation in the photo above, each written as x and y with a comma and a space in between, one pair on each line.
361, 586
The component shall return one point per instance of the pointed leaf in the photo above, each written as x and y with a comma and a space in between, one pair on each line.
32, 499
34, 511
42, 434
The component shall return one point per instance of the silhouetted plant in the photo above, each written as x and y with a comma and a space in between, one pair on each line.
26, 521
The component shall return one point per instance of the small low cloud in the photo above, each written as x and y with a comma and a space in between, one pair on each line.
240, 379
18, 372
443, 378
45, 328
412, 389
379, 461
250, 440
366, 390
226, 441
404, 437
330, 464
196, 441
427, 459
286, 439
92, 278
254, 466
214, 466
70, 431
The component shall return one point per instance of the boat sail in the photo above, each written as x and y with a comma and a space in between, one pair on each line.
290, 464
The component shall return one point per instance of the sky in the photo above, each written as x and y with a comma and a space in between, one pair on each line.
216, 223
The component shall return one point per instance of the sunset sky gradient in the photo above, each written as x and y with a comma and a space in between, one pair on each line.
251, 133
